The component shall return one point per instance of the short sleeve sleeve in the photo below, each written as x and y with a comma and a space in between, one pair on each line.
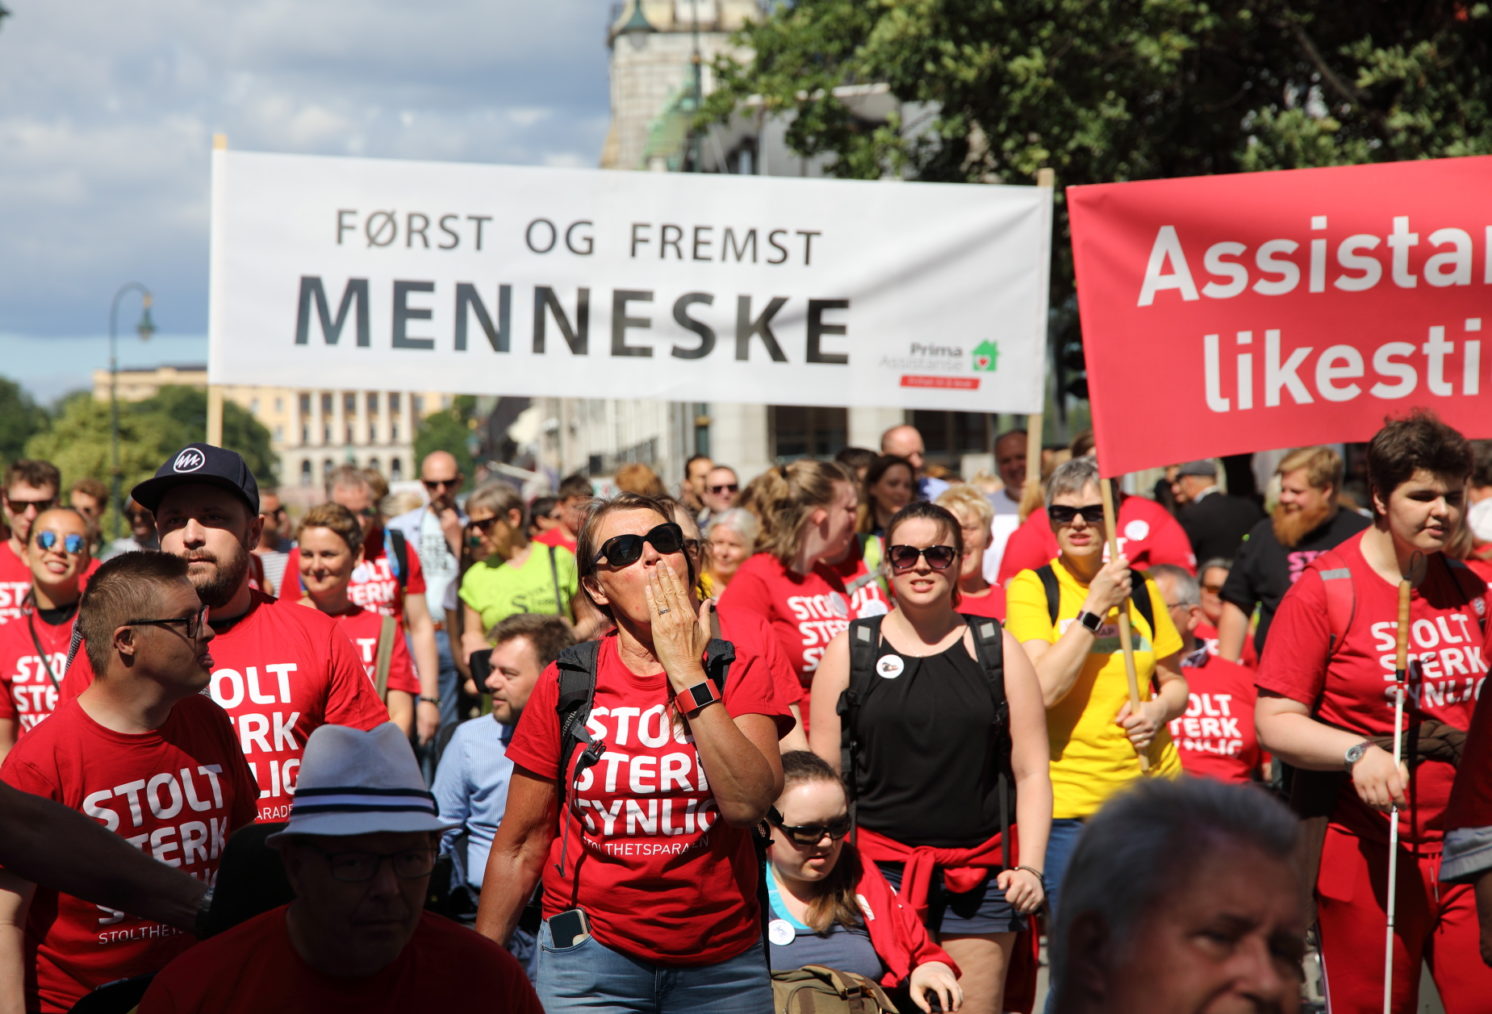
415, 585
536, 740
1026, 614
1294, 662
748, 592
350, 699
1239, 587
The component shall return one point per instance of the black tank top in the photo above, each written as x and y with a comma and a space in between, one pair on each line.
925, 769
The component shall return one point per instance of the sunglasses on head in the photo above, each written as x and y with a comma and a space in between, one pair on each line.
729, 487
625, 550
811, 834
905, 557
72, 542
1064, 515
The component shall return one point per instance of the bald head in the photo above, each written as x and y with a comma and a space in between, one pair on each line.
905, 442
442, 478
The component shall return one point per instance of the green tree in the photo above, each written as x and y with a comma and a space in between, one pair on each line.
150, 431
449, 429
20, 417
1111, 90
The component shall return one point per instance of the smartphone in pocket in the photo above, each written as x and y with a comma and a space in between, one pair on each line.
569, 927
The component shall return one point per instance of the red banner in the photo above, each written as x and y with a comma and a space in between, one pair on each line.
1226, 314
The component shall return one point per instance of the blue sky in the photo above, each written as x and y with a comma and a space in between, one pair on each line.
107, 113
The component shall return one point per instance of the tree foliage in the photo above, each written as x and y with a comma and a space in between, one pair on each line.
150, 431
20, 417
449, 429
1112, 90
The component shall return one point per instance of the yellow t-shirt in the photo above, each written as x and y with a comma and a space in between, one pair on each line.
1091, 757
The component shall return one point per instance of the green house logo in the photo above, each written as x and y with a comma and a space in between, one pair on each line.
986, 357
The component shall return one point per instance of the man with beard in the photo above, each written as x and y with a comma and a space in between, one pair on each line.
279, 672
1306, 522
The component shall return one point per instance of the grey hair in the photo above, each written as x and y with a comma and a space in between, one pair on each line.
1146, 841
738, 520
1185, 588
1071, 477
497, 497
1216, 561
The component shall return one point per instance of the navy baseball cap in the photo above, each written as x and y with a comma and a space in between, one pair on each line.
215, 466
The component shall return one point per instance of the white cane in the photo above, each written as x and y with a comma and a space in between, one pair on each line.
1400, 686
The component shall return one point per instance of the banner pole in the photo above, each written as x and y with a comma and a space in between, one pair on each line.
1126, 635
1045, 177
214, 392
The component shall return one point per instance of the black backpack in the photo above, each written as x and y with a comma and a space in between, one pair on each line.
1140, 595
989, 650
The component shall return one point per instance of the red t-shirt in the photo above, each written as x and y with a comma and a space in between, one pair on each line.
805, 611
1445, 642
374, 584
645, 852
32, 678
280, 673
1147, 535
867, 597
557, 537
1216, 737
176, 794
253, 968
753, 636
990, 604
15, 581
363, 627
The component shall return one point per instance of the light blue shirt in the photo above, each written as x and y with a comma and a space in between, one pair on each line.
471, 785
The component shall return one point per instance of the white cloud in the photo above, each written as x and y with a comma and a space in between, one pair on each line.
107, 113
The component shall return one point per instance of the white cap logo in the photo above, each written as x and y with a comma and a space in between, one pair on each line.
189, 460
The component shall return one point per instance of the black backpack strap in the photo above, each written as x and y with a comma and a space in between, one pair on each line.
577, 692
989, 649
865, 639
561, 607
1140, 595
401, 556
1053, 592
719, 654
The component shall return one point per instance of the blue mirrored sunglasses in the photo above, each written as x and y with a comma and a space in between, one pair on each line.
72, 542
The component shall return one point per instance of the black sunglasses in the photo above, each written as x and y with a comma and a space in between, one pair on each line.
730, 487
485, 524
19, 506
811, 834
905, 557
438, 483
1064, 515
192, 623
625, 550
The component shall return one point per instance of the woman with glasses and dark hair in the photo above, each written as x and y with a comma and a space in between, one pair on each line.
829, 908
510, 574
1065, 615
942, 720
649, 869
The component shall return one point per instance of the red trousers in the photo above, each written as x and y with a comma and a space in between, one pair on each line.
1433, 923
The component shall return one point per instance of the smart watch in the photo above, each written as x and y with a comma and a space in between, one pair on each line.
1354, 753
1092, 622
696, 697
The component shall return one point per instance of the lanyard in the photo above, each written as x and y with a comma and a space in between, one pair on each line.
41, 652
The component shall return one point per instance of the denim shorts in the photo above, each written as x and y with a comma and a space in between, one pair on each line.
965, 913
591, 977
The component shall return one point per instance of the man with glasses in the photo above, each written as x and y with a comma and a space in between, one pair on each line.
30, 490
358, 851
142, 751
722, 491
1215, 737
278, 672
390, 580
435, 532
33, 648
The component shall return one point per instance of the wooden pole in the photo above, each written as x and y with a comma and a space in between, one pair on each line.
214, 392
1045, 177
1126, 635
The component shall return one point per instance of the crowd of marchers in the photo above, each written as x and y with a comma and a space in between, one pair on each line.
693, 748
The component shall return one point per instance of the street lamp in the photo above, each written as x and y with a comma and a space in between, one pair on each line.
144, 329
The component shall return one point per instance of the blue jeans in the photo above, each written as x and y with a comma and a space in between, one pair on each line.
1059, 845
594, 978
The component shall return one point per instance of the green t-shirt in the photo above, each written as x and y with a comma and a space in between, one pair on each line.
497, 589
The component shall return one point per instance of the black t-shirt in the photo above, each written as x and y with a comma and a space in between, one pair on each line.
925, 770
1264, 570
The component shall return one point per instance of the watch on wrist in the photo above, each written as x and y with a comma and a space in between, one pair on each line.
696, 697
1354, 754
1091, 622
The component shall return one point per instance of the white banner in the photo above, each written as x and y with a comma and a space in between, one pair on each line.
367, 274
